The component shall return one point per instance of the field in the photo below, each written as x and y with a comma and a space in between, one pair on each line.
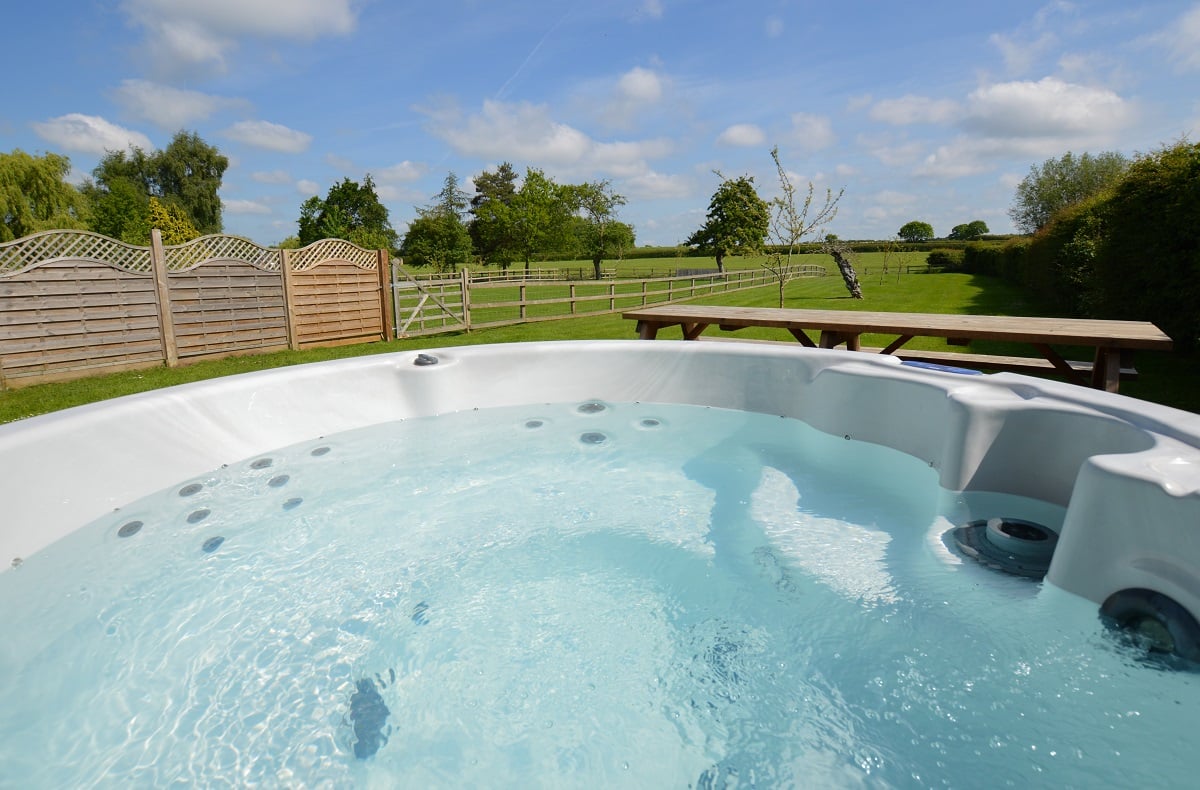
1171, 379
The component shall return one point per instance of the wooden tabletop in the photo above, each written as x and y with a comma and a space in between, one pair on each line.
1063, 331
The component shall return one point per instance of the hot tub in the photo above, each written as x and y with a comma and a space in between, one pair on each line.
1110, 482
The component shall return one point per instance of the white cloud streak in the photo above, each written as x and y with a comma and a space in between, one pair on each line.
742, 135
170, 108
89, 134
269, 136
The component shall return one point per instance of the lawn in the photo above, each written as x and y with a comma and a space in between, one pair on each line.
1172, 379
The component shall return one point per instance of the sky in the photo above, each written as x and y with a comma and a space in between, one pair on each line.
932, 111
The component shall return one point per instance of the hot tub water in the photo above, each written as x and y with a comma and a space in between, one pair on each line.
584, 592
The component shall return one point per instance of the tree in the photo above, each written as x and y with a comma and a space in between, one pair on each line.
597, 203
737, 222
915, 231
350, 211
1063, 182
843, 256
489, 225
119, 209
173, 221
438, 237
789, 224
187, 174
539, 218
969, 231
34, 195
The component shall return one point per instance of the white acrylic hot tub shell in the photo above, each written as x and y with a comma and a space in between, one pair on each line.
1128, 471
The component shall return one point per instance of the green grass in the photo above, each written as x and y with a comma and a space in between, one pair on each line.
1171, 379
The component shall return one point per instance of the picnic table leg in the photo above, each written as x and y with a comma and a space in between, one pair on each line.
804, 339
1106, 369
833, 339
647, 330
693, 331
1061, 365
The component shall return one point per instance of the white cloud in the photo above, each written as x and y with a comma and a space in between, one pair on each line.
640, 85
526, 133
914, 109
636, 91
308, 188
653, 186
181, 36
269, 136
774, 27
245, 207
892, 154
742, 135
1046, 108
167, 107
271, 177
90, 134
845, 171
402, 171
812, 132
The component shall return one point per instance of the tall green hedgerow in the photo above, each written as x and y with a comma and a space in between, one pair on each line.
1148, 264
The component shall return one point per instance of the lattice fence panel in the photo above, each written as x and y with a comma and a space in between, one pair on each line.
181, 257
53, 245
333, 250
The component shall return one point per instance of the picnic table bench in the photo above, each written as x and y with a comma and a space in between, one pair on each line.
1114, 341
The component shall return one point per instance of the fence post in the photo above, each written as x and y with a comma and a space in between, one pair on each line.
386, 314
289, 299
162, 293
521, 299
612, 297
572, 291
466, 298
644, 292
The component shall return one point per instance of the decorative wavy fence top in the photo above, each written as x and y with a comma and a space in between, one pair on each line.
333, 250
221, 247
49, 245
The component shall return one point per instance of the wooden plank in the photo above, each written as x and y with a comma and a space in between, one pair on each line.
1062, 331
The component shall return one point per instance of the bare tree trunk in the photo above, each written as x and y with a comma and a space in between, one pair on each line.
720, 261
596, 265
847, 269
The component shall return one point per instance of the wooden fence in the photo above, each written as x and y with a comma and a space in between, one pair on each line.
428, 305
74, 303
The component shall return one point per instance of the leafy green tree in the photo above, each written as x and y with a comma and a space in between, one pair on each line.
350, 211
119, 209
969, 231
737, 222
1063, 182
597, 204
539, 218
172, 221
187, 173
34, 195
438, 236
490, 222
915, 231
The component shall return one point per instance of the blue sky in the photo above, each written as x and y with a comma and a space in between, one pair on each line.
931, 111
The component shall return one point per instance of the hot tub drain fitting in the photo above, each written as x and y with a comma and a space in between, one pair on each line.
1011, 545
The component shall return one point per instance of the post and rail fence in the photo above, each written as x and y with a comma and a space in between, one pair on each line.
75, 303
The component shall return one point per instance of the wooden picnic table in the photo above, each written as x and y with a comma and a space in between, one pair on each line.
1114, 341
